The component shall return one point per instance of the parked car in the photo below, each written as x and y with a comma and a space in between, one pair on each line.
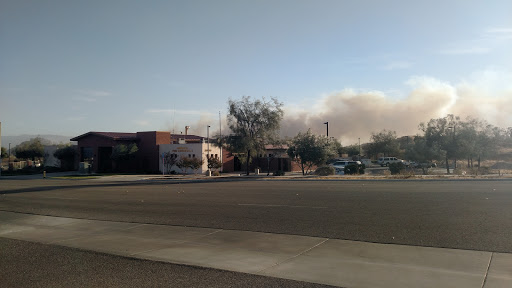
385, 161
339, 166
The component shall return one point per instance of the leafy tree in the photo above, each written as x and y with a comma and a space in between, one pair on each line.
186, 162
253, 124
183, 163
463, 139
439, 132
350, 150
309, 150
384, 142
195, 164
421, 153
66, 154
214, 163
30, 149
3, 151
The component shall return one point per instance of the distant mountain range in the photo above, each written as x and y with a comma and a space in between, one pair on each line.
48, 139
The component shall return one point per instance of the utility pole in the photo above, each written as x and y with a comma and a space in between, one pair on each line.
327, 123
208, 139
220, 139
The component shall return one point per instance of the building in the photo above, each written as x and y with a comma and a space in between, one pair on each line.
95, 150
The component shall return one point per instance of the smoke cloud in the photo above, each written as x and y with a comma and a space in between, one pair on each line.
354, 114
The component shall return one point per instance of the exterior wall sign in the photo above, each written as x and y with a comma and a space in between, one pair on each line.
182, 150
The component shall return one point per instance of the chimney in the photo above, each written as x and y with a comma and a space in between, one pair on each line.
186, 129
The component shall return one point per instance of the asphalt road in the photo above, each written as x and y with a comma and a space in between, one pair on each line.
464, 214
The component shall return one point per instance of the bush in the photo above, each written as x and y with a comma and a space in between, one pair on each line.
472, 171
354, 169
325, 171
396, 168
279, 173
215, 173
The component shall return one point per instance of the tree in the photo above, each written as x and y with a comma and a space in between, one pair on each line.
253, 124
183, 163
30, 149
186, 162
214, 163
463, 139
195, 164
440, 132
66, 155
309, 150
3, 151
170, 160
350, 150
423, 154
384, 142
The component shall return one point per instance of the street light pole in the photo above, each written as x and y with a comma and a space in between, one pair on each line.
454, 147
327, 123
359, 139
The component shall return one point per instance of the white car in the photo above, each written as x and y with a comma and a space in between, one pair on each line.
339, 166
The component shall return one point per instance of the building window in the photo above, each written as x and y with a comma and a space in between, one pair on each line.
189, 156
216, 156
193, 155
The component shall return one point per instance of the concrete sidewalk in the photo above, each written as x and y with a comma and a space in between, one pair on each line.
319, 260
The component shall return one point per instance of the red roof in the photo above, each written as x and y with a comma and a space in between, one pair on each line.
111, 135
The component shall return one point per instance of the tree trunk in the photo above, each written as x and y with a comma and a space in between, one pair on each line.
247, 161
447, 165
478, 162
468, 163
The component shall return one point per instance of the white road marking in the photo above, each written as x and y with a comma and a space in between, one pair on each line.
275, 205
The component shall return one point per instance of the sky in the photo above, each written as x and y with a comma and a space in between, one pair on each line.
70, 67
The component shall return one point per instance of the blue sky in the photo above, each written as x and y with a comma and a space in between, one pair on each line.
69, 67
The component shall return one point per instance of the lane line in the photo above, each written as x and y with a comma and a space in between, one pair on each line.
277, 205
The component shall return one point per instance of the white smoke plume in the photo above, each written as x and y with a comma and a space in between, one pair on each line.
352, 114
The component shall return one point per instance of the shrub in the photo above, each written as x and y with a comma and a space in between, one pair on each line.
354, 169
325, 171
215, 173
279, 173
396, 168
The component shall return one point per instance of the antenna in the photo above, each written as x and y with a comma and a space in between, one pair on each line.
173, 118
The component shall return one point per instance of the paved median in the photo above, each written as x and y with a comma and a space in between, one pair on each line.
312, 259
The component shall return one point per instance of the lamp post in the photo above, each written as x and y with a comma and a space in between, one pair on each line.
327, 123
454, 147
359, 139
9, 153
